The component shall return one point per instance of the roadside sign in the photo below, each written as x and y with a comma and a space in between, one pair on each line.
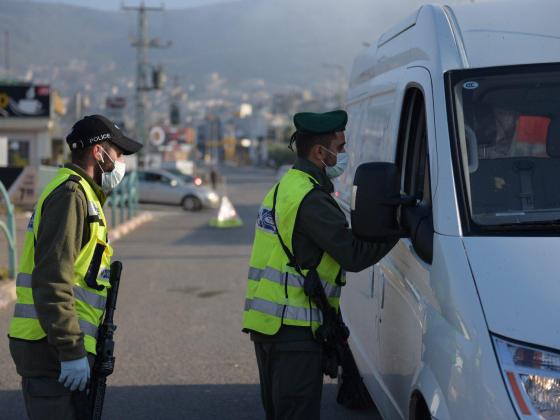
157, 136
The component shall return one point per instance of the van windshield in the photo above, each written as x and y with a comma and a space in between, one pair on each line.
507, 129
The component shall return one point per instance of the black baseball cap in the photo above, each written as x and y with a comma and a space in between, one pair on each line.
96, 128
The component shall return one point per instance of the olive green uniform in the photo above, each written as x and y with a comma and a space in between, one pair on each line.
290, 361
62, 233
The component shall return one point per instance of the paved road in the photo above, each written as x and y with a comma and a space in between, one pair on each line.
180, 351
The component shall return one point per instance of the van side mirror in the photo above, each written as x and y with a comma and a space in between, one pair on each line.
375, 201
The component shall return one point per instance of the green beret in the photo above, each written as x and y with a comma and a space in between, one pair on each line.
328, 122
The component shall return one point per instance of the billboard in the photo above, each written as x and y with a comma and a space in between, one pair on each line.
25, 101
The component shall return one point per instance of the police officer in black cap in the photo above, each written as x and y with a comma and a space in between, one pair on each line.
54, 327
299, 216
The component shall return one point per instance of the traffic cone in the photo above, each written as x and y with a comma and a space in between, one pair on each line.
227, 216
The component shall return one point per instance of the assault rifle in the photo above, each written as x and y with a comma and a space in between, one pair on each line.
333, 335
105, 361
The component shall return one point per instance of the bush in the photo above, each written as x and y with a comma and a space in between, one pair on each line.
280, 154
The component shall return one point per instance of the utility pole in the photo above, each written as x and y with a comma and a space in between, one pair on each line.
142, 43
7, 49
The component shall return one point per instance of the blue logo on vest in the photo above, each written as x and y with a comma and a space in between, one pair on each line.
265, 221
31, 222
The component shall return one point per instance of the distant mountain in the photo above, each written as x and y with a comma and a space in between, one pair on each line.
283, 41
116, 4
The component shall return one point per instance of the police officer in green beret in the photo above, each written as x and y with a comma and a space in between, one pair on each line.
299, 219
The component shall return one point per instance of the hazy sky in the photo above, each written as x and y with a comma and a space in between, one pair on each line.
116, 4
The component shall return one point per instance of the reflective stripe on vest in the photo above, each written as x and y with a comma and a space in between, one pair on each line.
292, 279
288, 312
27, 310
92, 299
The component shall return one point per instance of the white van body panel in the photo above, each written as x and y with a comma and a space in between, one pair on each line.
426, 328
516, 32
519, 286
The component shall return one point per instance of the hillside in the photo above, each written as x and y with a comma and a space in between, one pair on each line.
281, 41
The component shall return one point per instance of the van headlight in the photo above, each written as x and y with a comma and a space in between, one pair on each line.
532, 376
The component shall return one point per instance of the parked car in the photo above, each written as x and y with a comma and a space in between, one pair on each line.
458, 108
160, 186
188, 179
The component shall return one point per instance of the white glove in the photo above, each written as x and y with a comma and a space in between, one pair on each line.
74, 374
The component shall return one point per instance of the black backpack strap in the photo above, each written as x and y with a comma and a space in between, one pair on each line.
287, 251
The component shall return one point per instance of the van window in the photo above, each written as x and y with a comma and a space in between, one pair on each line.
412, 151
507, 138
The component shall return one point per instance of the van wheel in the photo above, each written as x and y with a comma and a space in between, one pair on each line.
419, 409
191, 203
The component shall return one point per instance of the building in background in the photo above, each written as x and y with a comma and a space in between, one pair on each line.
29, 121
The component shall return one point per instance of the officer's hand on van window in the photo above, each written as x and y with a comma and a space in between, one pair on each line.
74, 374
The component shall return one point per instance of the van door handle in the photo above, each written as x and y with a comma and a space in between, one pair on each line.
372, 288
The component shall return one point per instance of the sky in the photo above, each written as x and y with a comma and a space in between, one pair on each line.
116, 4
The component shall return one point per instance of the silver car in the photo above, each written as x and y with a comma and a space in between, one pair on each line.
160, 186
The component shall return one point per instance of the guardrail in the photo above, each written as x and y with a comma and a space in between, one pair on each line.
9, 229
124, 200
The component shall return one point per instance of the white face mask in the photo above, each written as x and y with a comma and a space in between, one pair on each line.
110, 180
338, 168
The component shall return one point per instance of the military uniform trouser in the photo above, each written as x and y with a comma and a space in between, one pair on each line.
291, 379
47, 399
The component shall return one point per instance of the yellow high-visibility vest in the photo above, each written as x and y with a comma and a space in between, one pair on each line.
275, 294
91, 265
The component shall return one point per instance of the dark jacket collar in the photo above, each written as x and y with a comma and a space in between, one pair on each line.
96, 188
319, 174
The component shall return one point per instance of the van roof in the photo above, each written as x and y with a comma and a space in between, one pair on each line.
486, 34
506, 33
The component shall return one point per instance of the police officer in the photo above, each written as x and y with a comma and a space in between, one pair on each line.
64, 272
301, 213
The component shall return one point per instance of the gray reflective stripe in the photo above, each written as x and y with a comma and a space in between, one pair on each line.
90, 298
27, 310
23, 280
295, 280
291, 312
92, 209
87, 328
255, 273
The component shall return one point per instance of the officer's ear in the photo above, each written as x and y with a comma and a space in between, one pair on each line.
97, 153
316, 152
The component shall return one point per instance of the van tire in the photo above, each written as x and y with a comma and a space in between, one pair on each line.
418, 408
191, 203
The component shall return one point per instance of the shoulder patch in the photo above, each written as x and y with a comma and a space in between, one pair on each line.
31, 222
265, 220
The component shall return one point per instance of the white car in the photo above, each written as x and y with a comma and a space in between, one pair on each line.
458, 107
160, 186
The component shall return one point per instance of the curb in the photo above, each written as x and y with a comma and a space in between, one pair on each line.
124, 229
8, 287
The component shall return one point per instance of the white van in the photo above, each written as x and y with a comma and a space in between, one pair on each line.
461, 320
